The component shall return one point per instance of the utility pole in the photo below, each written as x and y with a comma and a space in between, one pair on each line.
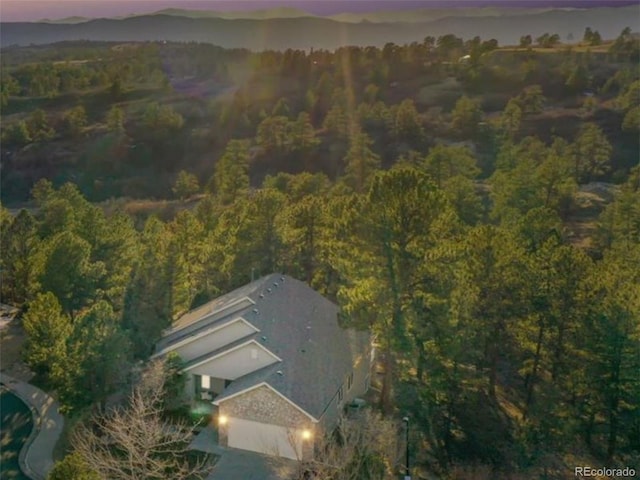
407, 474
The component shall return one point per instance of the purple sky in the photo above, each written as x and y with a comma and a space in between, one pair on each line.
32, 10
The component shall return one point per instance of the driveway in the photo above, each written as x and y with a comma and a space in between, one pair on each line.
237, 464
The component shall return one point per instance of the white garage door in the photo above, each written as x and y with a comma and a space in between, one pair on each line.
264, 438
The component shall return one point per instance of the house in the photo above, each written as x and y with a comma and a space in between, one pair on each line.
273, 359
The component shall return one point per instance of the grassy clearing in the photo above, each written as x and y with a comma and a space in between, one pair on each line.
562, 47
141, 210
438, 93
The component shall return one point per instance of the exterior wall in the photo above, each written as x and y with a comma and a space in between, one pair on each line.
359, 386
264, 406
217, 385
214, 340
237, 363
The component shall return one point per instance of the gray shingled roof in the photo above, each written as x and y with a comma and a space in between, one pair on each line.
301, 327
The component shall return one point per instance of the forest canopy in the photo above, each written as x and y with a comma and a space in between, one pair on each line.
448, 206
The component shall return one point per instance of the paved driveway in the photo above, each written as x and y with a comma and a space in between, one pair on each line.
237, 464
240, 464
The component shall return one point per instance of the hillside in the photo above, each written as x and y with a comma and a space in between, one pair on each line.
431, 14
315, 32
67, 20
263, 14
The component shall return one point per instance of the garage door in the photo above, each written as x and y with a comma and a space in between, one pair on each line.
263, 438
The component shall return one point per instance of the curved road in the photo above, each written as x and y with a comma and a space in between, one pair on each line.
36, 458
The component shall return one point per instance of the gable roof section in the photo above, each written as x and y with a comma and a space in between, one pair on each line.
203, 332
226, 350
219, 305
201, 318
220, 400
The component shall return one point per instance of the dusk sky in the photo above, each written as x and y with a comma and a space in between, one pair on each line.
33, 10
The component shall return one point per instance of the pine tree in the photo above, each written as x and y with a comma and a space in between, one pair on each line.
466, 116
393, 225
20, 245
592, 153
47, 330
444, 162
115, 120
148, 299
186, 185
231, 174
361, 162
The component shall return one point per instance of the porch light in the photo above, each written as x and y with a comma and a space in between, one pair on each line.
222, 420
306, 434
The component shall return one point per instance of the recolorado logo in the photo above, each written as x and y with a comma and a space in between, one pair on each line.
604, 472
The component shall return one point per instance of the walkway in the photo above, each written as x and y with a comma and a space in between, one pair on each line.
36, 458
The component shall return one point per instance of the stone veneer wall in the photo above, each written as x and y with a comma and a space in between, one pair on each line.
263, 405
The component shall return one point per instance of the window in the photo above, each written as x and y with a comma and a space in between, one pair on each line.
340, 395
205, 382
350, 381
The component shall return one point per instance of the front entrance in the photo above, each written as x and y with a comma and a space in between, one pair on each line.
208, 388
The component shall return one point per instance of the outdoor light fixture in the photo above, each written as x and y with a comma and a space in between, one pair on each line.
306, 434
222, 420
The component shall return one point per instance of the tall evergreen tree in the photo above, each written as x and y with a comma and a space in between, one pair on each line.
592, 153
47, 330
361, 162
394, 224
231, 174
20, 244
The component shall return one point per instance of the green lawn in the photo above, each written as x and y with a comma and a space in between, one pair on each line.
15, 425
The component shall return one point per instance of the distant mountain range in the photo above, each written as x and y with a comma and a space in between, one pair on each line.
290, 28
410, 16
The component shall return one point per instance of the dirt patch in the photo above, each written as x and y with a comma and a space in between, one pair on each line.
12, 339
590, 201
